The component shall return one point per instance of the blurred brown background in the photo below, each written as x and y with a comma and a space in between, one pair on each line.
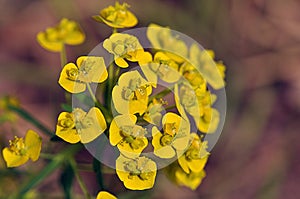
257, 155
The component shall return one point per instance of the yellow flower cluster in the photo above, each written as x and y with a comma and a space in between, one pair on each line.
130, 111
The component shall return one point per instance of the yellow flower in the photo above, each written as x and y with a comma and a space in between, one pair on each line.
129, 137
130, 96
195, 157
89, 69
66, 32
174, 138
198, 105
117, 16
162, 39
125, 46
163, 66
80, 126
20, 150
105, 195
136, 174
203, 61
153, 113
177, 175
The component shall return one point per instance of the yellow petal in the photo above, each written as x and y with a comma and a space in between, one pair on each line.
198, 164
121, 62
13, 160
209, 126
54, 46
126, 149
183, 162
33, 143
159, 150
97, 125
70, 85
105, 195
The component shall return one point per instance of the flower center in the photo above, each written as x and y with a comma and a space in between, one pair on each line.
138, 168
134, 91
166, 140
72, 74
17, 146
187, 95
170, 129
133, 135
67, 122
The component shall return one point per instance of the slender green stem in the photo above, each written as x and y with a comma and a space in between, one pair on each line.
63, 56
91, 93
79, 179
108, 95
47, 156
27, 116
170, 107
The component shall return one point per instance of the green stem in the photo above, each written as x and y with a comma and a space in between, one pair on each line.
27, 116
63, 56
52, 166
110, 85
91, 93
79, 179
170, 107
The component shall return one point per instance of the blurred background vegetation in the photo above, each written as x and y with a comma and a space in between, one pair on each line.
258, 40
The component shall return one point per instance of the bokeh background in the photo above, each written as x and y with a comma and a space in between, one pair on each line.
257, 155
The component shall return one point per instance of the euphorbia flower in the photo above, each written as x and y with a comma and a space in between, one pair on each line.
195, 157
130, 96
198, 105
173, 138
21, 150
125, 46
73, 78
163, 39
203, 60
66, 32
163, 66
80, 126
129, 137
117, 16
105, 195
138, 173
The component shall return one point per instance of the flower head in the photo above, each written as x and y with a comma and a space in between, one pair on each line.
191, 180
162, 38
129, 137
203, 60
138, 173
117, 16
80, 126
105, 195
125, 46
163, 66
173, 138
21, 150
130, 96
73, 78
5, 113
195, 157
66, 32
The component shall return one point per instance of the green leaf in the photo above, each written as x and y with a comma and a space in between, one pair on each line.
66, 180
98, 170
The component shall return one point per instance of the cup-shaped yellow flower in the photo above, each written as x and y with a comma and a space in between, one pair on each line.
174, 137
74, 78
126, 47
203, 60
163, 39
21, 150
117, 16
137, 173
80, 126
195, 157
66, 32
163, 66
127, 136
130, 96
105, 195
198, 105
191, 180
